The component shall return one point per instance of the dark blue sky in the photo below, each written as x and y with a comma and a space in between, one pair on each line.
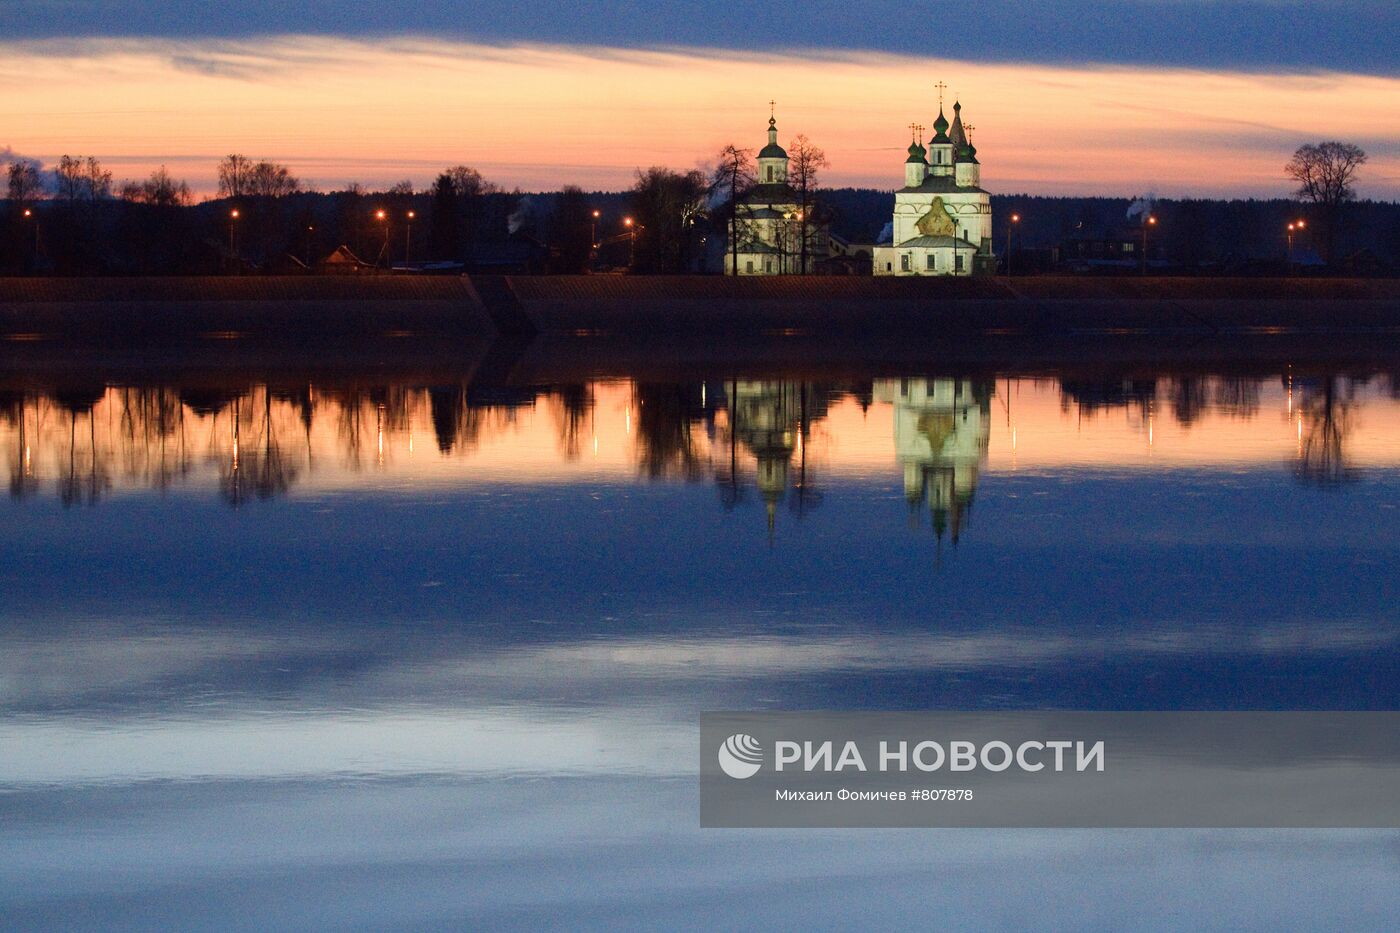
1282, 35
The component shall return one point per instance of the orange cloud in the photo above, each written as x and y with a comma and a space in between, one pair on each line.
539, 117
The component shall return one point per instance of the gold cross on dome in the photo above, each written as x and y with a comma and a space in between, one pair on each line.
941, 88
969, 128
773, 109
914, 128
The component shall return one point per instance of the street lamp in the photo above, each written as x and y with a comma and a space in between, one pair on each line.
1015, 219
233, 243
632, 247
408, 239
29, 215
1295, 226
1147, 221
384, 216
593, 230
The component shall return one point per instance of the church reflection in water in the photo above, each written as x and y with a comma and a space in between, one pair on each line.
773, 422
942, 429
780, 444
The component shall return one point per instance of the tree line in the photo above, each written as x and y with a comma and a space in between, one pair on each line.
74, 219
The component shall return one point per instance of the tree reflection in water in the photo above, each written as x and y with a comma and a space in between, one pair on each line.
1325, 413
770, 440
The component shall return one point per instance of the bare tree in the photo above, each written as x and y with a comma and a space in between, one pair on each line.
1326, 174
271, 180
467, 182
805, 162
159, 190
82, 178
733, 175
665, 207
233, 176
25, 185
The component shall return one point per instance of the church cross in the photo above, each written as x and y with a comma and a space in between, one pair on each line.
773, 109
941, 88
915, 128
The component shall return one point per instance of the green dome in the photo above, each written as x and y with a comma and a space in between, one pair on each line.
940, 129
917, 154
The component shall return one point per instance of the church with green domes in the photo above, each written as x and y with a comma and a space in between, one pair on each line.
942, 216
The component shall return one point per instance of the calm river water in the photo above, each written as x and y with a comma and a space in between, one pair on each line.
377, 653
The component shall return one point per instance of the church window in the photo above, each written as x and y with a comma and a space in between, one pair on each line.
770, 173
904, 263
889, 267
958, 263
931, 262
748, 266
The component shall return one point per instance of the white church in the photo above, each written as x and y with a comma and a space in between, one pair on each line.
942, 216
771, 224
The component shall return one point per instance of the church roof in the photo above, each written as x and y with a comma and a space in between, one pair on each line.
957, 135
772, 193
941, 184
937, 242
917, 154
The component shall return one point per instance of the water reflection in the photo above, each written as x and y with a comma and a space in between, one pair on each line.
769, 439
456, 633
942, 428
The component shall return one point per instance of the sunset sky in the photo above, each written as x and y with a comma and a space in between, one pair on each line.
1173, 97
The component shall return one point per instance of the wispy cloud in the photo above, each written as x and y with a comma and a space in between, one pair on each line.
1253, 35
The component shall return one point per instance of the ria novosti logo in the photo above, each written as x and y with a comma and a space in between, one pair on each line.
741, 756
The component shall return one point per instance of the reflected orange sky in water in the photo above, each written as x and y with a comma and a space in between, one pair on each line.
254, 444
540, 117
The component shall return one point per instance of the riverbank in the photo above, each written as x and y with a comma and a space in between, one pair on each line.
143, 310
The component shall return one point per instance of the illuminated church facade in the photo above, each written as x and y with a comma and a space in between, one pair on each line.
771, 224
942, 216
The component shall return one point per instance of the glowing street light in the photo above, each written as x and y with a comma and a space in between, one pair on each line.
632, 246
408, 238
29, 215
1292, 228
384, 216
1015, 219
1148, 221
232, 241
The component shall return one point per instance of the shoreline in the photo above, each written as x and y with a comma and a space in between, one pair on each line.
153, 311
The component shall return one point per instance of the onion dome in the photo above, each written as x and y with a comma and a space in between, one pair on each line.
940, 129
772, 150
